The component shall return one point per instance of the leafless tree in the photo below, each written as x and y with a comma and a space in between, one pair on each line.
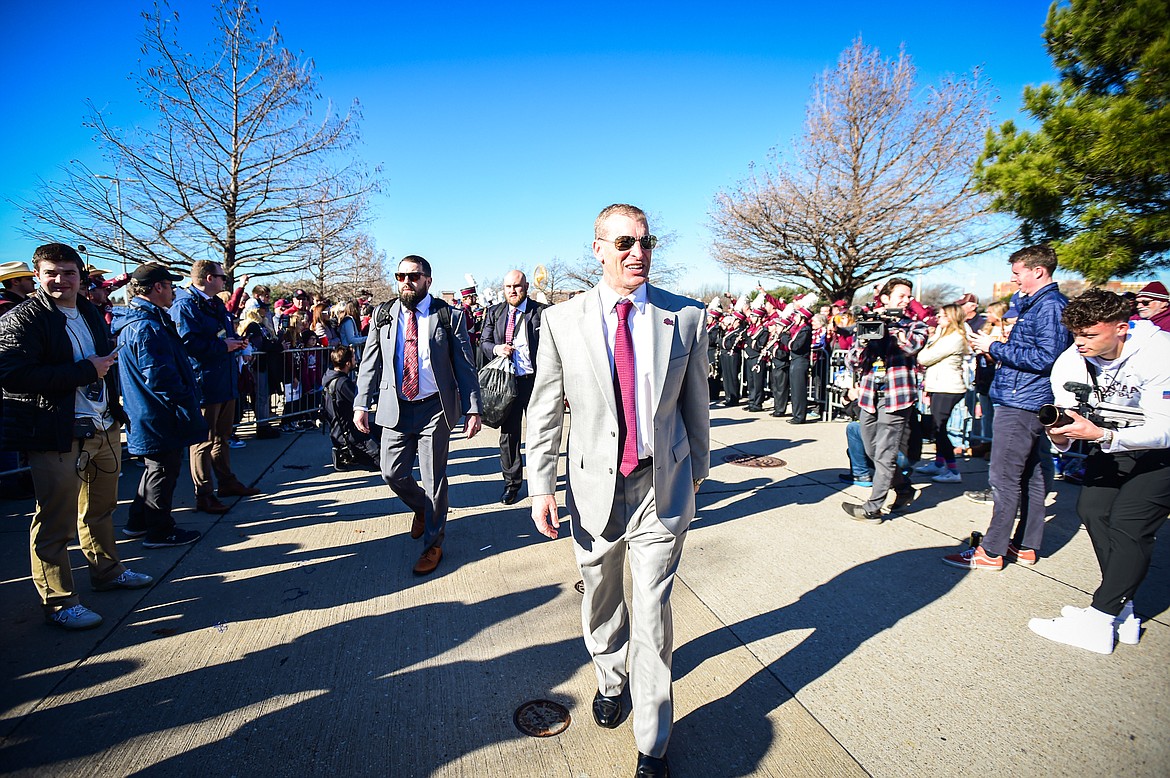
880, 183
243, 157
360, 271
937, 295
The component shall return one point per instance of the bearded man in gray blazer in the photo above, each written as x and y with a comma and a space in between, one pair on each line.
631, 360
417, 367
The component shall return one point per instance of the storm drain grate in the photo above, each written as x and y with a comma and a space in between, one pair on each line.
542, 718
750, 460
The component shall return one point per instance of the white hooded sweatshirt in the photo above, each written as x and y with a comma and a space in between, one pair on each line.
1135, 387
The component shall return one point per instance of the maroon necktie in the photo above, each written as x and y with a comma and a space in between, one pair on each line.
510, 331
410, 357
623, 367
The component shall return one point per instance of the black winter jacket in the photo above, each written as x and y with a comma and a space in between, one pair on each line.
39, 376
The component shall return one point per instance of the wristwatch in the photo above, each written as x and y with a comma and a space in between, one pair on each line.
1106, 439
699, 482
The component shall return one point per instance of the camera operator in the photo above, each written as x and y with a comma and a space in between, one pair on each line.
885, 353
1122, 369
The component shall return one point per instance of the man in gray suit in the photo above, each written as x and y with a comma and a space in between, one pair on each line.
631, 360
417, 367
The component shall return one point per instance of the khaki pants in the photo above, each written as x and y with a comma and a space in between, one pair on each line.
212, 454
76, 493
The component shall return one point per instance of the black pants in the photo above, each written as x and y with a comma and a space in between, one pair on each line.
510, 463
755, 381
798, 380
730, 364
780, 386
942, 404
1123, 503
151, 508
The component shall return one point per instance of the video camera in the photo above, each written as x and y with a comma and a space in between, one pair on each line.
874, 324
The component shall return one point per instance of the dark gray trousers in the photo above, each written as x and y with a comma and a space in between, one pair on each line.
151, 509
1017, 484
884, 433
421, 429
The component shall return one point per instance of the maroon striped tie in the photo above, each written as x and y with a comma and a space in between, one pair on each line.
623, 366
410, 358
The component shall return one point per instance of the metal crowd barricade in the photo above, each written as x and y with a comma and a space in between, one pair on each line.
283, 388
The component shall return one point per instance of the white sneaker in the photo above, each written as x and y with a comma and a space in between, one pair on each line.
1127, 623
1087, 630
948, 477
1129, 626
77, 617
930, 468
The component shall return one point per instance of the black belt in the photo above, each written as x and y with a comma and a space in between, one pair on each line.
427, 399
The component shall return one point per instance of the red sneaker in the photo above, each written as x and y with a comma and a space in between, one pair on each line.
974, 559
1021, 556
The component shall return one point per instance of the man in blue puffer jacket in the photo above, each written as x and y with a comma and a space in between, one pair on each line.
1020, 387
159, 395
206, 329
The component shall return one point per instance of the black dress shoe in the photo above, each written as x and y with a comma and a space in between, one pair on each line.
607, 711
651, 767
754, 409
796, 421
510, 495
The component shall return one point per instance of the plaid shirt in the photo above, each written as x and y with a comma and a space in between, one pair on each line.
901, 389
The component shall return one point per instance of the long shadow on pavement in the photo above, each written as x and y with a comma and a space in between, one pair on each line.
843, 613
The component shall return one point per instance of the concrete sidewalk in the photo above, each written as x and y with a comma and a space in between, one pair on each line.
293, 638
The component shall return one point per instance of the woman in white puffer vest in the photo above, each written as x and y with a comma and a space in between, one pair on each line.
946, 383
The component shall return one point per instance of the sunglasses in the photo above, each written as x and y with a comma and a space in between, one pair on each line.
414, 277
216, 275
625, 242
1143, 301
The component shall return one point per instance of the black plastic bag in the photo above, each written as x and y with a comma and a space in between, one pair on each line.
497, 391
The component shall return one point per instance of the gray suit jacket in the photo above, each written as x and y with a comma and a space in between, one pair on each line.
573, 364
451, 362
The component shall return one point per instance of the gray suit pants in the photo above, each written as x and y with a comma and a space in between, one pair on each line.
422, 429
610, 632
884, 434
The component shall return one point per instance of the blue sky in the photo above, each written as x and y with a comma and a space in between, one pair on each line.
503, 128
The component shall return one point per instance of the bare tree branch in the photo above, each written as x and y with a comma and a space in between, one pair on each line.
245, 163
879, 184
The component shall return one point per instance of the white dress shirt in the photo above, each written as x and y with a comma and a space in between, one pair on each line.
643, 343
426, 376
521, 357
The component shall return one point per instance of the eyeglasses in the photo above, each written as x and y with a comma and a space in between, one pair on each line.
1144, 301
414, 277
626, 242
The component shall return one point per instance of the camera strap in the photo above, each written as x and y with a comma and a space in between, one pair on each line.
1091, 369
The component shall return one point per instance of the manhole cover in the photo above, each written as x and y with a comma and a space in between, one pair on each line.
542, 718
749, 460
580, 586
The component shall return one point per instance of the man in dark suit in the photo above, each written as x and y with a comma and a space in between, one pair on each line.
512, 328
417, 368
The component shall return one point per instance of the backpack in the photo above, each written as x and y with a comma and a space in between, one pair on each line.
440, 307
331, 421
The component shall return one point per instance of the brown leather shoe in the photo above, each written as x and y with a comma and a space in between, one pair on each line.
417, 526
210, 505
237, 490
427, 563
